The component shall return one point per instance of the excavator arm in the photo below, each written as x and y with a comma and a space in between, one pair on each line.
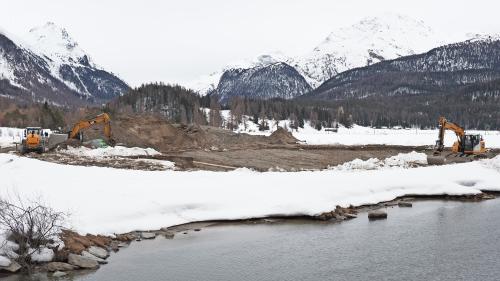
85, 124
445, 125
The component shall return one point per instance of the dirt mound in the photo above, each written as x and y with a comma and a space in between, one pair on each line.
156, 132
151, 131
282, 136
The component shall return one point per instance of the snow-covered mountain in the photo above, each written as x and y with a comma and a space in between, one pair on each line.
47, 64
276, 80
472, 66
368, 41
208, 83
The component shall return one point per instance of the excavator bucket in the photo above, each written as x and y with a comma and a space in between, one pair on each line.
436, 159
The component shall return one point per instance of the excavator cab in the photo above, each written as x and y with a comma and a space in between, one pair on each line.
471, 144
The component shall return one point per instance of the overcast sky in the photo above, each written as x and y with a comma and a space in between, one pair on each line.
177, 41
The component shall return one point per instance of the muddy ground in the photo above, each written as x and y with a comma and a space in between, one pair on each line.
209, 148
296, 158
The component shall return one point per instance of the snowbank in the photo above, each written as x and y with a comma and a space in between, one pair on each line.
43, 255
104, 152
4, 261
106, 200
402, 160
8, 136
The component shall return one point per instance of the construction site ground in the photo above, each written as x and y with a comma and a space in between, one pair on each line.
209, 148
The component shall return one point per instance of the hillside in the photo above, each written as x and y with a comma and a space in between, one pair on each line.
48, 65
278, 80
442, 70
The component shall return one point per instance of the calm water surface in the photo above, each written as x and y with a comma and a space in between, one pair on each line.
434, 240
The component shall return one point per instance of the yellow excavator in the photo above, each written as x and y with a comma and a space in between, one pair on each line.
465, 145
76, 132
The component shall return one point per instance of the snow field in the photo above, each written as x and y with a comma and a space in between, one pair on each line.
107, 200
359, 135
8, 136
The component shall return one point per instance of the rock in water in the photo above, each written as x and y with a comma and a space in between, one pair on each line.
488, 196
82, 261
350, 216
148, 235
98, 252
58, 274
403, 204
169, 235
377, 215
92, 257
13, 267
59, 266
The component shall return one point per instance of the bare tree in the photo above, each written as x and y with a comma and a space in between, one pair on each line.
31, 225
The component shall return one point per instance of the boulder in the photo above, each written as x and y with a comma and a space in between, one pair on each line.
114, 245
488, 196
169, 235
82, 261
377, 215
59, 266
122, 245
148, 235
350, 216
13, 267
58, 274
99, 240
98, 252
125, 237
404, 204
391, 203
73, 246
91, 256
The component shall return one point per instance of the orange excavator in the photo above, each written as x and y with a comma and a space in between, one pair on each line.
465, 145
76, 132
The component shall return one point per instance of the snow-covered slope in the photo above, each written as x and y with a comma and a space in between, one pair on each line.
47, 64
207, 83
369, 41
277, 80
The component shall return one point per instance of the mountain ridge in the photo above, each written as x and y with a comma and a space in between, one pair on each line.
49, 65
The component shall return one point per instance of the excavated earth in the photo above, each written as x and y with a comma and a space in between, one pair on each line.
209, 148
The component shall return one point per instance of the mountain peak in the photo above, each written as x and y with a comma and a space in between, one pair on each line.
370, 40
52, 40
49, 65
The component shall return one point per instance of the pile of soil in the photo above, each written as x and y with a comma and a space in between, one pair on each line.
151, 131
282, 136
156, 132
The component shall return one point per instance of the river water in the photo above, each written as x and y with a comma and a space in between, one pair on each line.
434, 240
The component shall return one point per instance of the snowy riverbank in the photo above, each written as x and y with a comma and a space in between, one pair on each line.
107, 200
